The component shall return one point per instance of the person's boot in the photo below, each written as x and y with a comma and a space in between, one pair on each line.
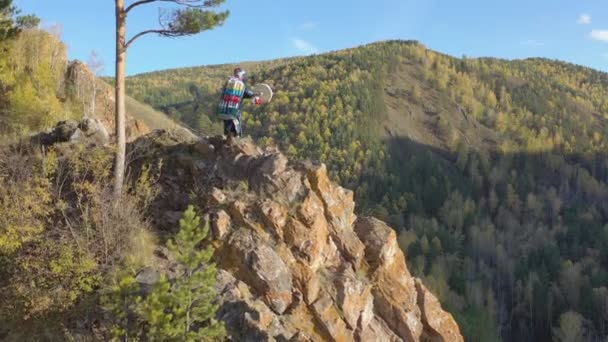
229, 138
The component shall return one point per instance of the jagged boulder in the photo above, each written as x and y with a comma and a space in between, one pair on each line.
274, 215
438, 324
248, 318
296, 264
264, 269
221, 224
88, 131
354, 298
331, 320
395, 295
147, 278
92, 130
339, 207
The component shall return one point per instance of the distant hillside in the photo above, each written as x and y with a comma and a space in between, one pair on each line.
149, 116
86, 87
493, 171
185, 94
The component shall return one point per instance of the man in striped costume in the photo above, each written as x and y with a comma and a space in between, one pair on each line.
229, 108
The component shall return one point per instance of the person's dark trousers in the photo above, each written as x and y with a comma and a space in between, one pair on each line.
233, 127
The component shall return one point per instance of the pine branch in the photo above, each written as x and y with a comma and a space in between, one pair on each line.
188, 3
166, 33
184, 22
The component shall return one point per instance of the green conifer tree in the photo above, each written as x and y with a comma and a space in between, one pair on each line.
121, 301
180, 311
185, 311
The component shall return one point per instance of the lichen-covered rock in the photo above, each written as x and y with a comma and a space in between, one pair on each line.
93, 130
354, 298
339, 209
216, 197
240, 311
307, 233
438, 325
328, 315
381, 248
220, 224
274, 216
147, 278
339, 203
263, 268
307, 281
395, 296
377, 330
88, 131
307, 242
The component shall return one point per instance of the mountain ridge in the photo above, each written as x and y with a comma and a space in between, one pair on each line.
347, 49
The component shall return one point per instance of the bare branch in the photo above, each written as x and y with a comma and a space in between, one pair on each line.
161, 32
138, 3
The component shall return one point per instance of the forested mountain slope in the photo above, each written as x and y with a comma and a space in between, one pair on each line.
493, 172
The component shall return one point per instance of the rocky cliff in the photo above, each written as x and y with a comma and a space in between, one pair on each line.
98, 102
296, 263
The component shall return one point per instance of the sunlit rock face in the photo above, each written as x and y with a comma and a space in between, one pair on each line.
296, 263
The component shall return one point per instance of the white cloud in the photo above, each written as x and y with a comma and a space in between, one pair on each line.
532, 43
304, 46
584, 19
308, 26
601, 35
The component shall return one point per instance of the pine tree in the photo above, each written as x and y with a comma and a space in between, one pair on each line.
194, 17
185, 311
121, 301
182, 311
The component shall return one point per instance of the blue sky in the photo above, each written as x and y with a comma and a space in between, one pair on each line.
570, 30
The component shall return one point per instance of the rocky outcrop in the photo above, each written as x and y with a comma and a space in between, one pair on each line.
87, 131
98, 100
439, 325
296, 263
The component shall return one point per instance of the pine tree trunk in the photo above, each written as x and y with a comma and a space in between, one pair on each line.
121, 54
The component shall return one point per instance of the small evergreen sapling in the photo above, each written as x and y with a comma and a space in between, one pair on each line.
180, 311
185, 311
121, 302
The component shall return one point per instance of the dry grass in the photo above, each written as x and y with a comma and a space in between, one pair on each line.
151, 117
